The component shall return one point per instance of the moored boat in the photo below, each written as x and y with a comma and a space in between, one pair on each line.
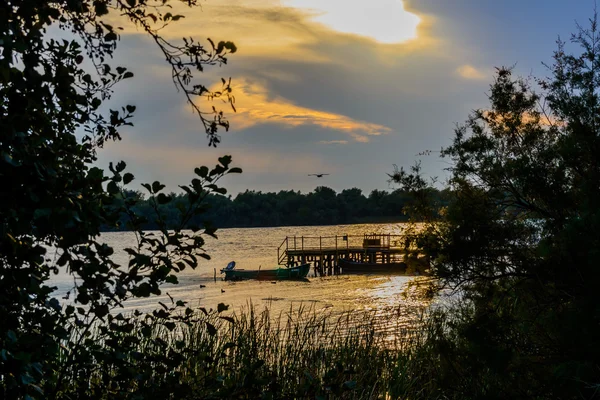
357, 267
282, 273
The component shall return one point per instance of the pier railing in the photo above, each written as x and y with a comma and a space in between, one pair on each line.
328, 243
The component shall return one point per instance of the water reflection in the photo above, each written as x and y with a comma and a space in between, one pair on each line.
254, 247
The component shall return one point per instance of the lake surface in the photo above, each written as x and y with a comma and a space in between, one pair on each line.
254, 247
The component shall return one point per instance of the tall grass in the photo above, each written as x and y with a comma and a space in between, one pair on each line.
302, 353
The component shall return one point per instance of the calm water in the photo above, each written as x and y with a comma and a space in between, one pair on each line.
254, 247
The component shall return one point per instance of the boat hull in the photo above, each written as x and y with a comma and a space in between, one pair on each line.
298, 272
354, 267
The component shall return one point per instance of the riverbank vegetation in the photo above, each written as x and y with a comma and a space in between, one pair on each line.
304, 353
323, 206
520, 237
518, 240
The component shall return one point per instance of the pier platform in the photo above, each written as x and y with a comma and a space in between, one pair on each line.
324, 252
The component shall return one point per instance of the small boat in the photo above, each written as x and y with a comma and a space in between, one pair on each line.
285, 273
357, 267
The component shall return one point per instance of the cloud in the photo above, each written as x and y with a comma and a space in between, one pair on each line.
304, 94
289, 29
469, 72
258, 28
333, 142
255, 106
386, 21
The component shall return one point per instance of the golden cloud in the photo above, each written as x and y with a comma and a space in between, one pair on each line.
294, 29
470, 72
386, 21
255, 106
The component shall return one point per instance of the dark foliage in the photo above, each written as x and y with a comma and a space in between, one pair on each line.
286, 208
521, 238
53, 202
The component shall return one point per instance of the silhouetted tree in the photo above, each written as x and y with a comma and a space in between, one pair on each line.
53, 202
521, 237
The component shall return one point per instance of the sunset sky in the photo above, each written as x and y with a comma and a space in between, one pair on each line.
345, 87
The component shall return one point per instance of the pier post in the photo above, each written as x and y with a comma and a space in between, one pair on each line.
327, 255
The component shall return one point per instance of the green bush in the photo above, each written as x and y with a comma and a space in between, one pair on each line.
53, 120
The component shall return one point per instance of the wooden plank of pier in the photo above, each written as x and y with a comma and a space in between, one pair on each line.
324, 252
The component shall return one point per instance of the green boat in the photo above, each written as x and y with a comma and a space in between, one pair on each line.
285, 273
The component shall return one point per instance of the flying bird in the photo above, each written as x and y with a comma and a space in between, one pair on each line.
317, 175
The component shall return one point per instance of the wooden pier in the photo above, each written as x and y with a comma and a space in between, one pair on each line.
324, 252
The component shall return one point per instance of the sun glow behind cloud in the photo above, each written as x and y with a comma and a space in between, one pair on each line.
302, 84
386, 21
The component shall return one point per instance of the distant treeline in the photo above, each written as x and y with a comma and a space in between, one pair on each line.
252, 208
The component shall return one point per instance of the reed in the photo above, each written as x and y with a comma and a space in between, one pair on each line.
301, 353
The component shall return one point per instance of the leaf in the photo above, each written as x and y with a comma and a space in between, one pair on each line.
112, 187
202, 172
27, 379
127, 178
225, 160
212, 331
170, 326
95, 173
96, 102
157, 186
222, 307
235, 170
163, 198
110, 37
226, 45
101, 8
121, 166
